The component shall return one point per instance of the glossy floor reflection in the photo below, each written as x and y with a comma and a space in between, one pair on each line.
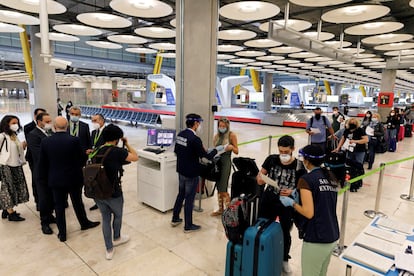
155, 247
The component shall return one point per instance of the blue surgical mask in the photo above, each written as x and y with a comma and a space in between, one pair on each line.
74, 119
222, 129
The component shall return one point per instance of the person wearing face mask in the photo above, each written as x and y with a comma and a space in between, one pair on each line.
375, 139
229, 138
34, 139
354, 141
77, 128
337, 118
367, 119
393, 124
189, 150
67, 109
283, 168
318, 127
97, 140
318, 190
13, 182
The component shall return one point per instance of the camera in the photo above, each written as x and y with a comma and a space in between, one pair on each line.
60, 63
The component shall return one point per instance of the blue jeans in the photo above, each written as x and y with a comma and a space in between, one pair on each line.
108, 207
187, 187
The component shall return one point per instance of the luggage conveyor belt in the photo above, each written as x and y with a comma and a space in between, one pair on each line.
286, 119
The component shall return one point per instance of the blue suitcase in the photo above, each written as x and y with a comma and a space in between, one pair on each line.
262, 249
233, 259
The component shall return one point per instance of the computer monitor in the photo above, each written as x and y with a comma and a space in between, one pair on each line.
160, 137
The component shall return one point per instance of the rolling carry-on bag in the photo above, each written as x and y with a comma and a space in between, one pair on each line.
262, 253
243, 180
408, 130
401, 133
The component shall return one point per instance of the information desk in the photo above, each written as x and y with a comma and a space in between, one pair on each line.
157, 179
378, 246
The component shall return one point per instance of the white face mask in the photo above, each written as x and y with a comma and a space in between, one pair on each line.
285, 158
74, 119
374, 120
14, 127
96, 126
48, 127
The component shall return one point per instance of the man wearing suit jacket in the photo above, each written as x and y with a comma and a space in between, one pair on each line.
98, 124
61, 162
27, 128
80, 129
34, 139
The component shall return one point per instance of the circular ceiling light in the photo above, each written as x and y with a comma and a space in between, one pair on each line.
353, 50
234, 65
127, 39
330, 62
286, 61
103, 20
17, 18
275, 66
301, 64
357, 13
359, 55
167, 55
9, 28
285, 50
33, 6
76, 29
303, 55
297, 25
386, 38
163, 46
140, 50
250, 53
242, 60
251, 67
249, 10
224, 56
236, 34
318, 3
322, 35
260, 63
60, 37
155, 32
142, 8
229, 48
270, 58
412, 3
395, 46
397, 53
222, 62
262, 43
364, 60
103, 44
374, 28
337, 44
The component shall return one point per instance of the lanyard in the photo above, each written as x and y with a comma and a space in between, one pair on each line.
75, 130
92, 154
97, 135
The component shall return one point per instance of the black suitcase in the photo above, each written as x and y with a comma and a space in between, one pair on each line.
408, 130
244, 184
355, 169
382, 145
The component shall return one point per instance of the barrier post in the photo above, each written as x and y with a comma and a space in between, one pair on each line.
270, 145
200, 194
409, 197
340, 247
376, 212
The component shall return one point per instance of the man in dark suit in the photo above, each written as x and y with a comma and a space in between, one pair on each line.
98, 125
34, 139
27, 128
61, 162
80, 129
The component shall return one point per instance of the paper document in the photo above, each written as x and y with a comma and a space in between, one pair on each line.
404, 261
368, 258
269, 181
395, 225
315, 130
385, 235
378, 245
369, 131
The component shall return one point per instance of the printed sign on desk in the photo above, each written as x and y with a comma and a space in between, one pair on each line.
170, 96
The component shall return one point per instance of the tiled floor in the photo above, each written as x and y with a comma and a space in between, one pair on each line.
156, 248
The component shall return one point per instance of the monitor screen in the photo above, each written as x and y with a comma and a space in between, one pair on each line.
160, 137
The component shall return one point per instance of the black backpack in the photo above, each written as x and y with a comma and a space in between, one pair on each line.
96, 182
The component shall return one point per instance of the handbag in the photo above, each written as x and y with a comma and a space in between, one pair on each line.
210, 169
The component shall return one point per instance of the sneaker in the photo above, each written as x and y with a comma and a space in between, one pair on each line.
121, 240
192, 228
109, 254
286, 267
176, 222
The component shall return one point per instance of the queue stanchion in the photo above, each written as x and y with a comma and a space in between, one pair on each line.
340, 247
200, 195
270, 145
376, 212
410, 196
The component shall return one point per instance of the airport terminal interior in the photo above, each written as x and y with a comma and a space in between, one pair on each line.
265, 65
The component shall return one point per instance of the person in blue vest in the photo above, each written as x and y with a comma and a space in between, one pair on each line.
317, 127
318, 191
189, 149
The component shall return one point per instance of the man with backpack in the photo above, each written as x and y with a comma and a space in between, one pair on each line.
112, 159
337, 118
319, 128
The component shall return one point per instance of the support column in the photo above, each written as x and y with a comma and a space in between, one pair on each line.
149, 95
388, 77
88, 90
45, 94
337, 89
267, 91
115, 92
196, 62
